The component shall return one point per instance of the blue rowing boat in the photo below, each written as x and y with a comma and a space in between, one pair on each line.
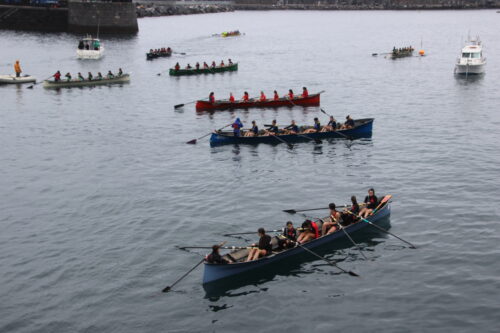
362, 129
216, 272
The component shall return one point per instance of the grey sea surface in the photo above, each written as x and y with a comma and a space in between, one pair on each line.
98, 186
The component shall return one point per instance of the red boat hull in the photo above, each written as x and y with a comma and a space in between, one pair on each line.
311, 100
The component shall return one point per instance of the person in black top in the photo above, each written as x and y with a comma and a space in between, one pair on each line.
349, 123
264, 247
348, 218
254, 131
331, 126
288, 237
371, 202
273, 129
215, 257
292, 128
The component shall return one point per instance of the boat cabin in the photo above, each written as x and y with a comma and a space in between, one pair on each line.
89, 43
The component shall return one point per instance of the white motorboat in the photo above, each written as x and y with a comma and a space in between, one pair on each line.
90, 48
12, 79
471, 59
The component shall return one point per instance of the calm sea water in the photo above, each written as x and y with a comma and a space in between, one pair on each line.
98, 186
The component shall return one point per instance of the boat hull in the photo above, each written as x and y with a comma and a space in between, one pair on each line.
311, 100
151, 56
125, 78
194, 71
468, 69
12, 79
90, 54
363, 129
216, 272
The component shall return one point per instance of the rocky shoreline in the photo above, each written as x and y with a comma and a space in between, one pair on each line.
155, 9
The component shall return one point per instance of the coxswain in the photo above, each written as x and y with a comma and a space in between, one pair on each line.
205, 65
245, 97
229, 62
305, 93
237, 125
99, 76
57, 76
177, 67
263, 97
17, 68
222, 63
262, 249
80, 77
310, 232
331, 225
68, 76
110, 75
276, 96
120, 72
197, 66
211, 97
292, 128
231, 97
290, 94
273, 129
331, 126
90, 76
215, 257
371, 202
288, 237
213, 64
316, 127
254, 131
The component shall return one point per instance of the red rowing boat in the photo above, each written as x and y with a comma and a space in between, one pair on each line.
311, 100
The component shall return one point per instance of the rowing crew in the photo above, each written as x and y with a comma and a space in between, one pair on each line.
309, 231
160, 51
407, 49
177, 67
90, 77
291, 129
262, 97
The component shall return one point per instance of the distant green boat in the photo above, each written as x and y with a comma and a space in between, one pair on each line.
212, 70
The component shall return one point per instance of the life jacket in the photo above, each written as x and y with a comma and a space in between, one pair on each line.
211, 99
245, 98
262, 97
290, 95
315, 229
305, 93
231, 98
276, 97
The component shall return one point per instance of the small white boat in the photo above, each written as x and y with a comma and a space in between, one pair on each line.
12, 79
471, 59
90, 48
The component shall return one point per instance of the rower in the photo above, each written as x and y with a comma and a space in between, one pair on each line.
110, 75
349, 123
57, 76
316, 127
197, 66
310, 232
205, 65
177, 67
188, 66
213, 64
264, 247
17, 68
347, 217
292, 128
289, 236
276, 96
332, 225
290, 93
305, 93
120, 72
80, 77
90, 77
273, 129
99, 76
263, 97
237, 125
211, 97
222, 63
371, 202
231, 97
169, 50
215, 257
151, 51
68, 76
254, 131
245, 97
331, 126
229, 62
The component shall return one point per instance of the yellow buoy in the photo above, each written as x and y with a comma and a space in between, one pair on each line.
421, 52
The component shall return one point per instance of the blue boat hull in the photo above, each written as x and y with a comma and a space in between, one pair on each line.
215, 272
364, 130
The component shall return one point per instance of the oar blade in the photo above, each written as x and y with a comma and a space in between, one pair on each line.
192, 142
166, 289
178, 106
290, 211
351, 273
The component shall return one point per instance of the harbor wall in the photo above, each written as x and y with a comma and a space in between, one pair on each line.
167, 8
33, 18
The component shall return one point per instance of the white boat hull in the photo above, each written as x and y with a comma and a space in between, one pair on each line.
12, 79
469, 69
90, 54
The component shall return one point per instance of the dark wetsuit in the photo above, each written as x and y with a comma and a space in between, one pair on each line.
215, 258
265, 244
371, 202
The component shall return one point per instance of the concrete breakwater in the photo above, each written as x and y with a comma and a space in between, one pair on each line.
149, 9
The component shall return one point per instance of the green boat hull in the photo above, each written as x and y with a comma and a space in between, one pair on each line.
194, 71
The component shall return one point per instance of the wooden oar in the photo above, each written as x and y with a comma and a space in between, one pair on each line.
293, 211
337, 131
352, 240
168, 288
376, 54
192, 142
31, 87
220, 247
283, 141
351, 273
250, 232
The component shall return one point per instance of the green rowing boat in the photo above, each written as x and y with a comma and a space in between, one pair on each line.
212, 70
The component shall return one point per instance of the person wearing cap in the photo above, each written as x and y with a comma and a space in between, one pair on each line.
17, 68
262, 249
215, 257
